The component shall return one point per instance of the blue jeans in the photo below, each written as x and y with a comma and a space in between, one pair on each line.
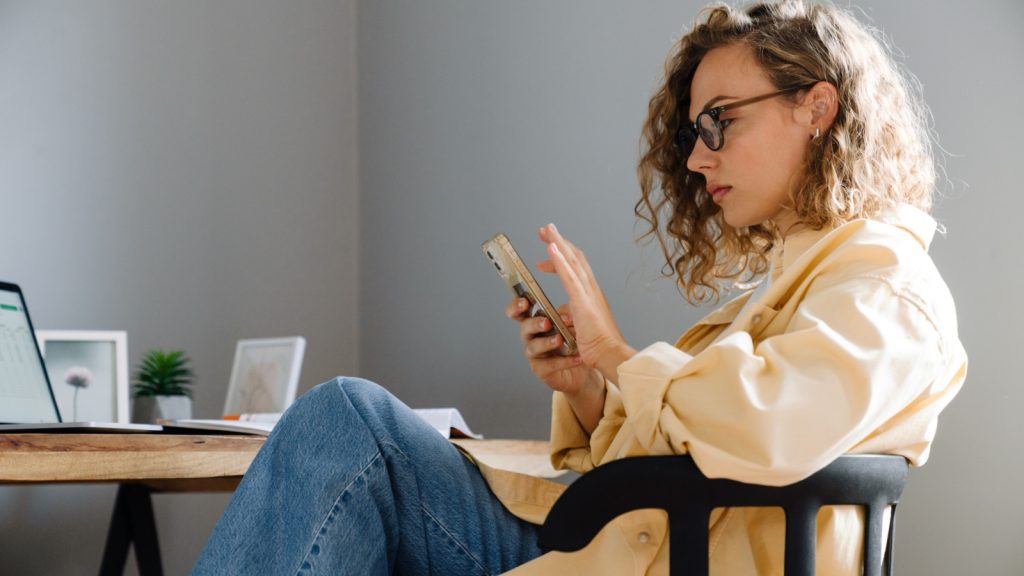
351, 481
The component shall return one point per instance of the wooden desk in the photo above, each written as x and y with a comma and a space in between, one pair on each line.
193, 463
145, 463
141, 464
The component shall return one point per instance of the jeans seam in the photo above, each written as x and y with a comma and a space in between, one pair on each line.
458, 542
321, 528
382, 446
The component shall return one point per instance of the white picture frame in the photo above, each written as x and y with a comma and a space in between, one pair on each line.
264, 375
103, 355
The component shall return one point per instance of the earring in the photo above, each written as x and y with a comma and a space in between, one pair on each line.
817, 132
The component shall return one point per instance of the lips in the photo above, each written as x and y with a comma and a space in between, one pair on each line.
717, 191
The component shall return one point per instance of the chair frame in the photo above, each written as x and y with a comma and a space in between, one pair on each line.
871, 480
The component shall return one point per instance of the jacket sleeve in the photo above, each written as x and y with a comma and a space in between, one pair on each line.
570, 443
852, 356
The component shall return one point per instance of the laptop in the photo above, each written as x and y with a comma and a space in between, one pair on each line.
27, 403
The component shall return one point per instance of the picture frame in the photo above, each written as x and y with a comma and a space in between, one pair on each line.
88, 372
264, 375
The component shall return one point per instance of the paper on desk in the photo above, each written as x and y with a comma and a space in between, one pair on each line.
221, 425
448, 421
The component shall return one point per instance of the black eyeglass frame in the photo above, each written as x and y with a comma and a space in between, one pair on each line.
687, 136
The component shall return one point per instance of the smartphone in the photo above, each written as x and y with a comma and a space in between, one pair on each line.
521, 282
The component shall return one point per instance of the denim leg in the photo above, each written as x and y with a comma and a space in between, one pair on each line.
351, 481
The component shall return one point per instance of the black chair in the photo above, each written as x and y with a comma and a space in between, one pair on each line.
676, 485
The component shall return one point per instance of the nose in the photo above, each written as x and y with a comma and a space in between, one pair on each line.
701, 158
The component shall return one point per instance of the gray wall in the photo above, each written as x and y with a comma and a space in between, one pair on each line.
486, 116
185, 171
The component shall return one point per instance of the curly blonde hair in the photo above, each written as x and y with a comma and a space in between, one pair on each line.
876, 154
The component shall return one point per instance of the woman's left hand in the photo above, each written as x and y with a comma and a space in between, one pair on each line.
598, 338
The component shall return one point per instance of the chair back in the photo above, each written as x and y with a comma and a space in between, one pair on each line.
872, 481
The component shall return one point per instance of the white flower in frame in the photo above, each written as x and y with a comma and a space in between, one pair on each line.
78, 376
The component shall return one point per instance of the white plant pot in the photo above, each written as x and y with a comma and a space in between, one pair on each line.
150, 409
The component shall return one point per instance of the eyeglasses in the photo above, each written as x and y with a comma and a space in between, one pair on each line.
709, 127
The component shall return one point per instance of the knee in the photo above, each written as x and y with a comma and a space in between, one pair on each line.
357, 393
358, 389
334, 401
349, 386
335, 391
372, 402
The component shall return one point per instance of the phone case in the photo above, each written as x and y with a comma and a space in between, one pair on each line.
521, 282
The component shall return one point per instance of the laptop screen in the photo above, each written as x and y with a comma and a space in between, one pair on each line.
25, 396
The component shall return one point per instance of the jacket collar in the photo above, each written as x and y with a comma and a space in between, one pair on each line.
914, 220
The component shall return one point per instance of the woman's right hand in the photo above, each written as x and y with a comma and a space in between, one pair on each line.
565, 374
582, 385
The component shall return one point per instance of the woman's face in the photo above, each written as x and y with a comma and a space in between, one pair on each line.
763, 157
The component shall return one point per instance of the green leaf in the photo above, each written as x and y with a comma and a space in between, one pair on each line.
163, 373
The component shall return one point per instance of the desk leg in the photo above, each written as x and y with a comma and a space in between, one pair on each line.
132, 520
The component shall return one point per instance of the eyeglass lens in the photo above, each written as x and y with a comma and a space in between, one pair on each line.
708, 129
687, 139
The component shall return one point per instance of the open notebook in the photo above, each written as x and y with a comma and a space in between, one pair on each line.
447, 421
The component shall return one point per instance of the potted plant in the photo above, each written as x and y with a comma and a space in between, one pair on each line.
161, 387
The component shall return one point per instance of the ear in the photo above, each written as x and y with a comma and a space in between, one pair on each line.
818, 108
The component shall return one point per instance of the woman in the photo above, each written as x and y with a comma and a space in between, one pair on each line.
783, 148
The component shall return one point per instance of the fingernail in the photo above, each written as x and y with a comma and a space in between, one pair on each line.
553, 228
522, 304
554, 339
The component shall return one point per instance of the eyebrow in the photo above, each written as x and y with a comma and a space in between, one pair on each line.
710, 104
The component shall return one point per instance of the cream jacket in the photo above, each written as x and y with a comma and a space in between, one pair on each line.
852, 348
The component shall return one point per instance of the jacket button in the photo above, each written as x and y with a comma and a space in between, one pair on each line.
643, 537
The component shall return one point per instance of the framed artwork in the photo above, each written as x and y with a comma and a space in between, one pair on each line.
88, 372
265, 375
